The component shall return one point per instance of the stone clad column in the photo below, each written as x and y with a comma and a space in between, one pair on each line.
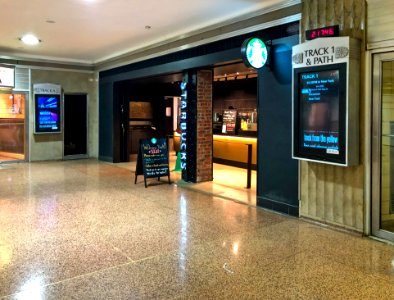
348, 14
334, 194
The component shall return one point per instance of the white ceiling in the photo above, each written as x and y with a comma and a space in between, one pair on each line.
91, 31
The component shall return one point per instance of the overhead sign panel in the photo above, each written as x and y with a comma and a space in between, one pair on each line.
7, 76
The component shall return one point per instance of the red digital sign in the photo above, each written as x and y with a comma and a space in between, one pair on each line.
330, 31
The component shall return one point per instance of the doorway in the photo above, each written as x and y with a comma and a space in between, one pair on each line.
75, 126
234, 129
143, 108
13, 127
383, 147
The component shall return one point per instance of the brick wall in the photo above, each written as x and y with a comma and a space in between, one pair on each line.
204, 126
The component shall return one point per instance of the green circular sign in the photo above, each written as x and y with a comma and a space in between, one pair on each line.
254, 53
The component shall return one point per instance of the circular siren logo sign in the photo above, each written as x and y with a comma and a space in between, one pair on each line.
254, 53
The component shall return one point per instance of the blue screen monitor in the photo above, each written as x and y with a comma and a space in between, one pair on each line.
320, 112
47, 114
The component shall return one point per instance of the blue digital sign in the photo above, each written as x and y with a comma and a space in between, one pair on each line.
320, 113
47, 114
319, 105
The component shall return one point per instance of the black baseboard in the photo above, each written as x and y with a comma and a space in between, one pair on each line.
278, 206
105, 158
232, 163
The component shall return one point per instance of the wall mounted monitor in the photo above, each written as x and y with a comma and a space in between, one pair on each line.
320, 129
47, 113
326, 77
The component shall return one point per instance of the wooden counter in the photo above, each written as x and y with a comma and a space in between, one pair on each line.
233, 150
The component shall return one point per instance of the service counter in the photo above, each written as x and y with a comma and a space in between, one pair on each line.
233, 150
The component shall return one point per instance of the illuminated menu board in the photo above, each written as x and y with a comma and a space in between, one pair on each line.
229, 121
320, 114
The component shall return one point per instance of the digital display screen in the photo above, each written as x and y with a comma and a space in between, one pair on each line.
319, 99
47, 113
320, 114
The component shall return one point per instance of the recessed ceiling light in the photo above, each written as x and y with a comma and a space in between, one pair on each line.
30, 39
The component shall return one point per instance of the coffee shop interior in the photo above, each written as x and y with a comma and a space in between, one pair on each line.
153, 110
12, 127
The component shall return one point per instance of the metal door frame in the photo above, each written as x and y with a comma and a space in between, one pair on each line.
377, 61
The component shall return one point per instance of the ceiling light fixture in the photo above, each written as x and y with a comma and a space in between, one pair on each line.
30, 39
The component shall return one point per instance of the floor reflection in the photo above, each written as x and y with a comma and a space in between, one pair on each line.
183, 238
32, 289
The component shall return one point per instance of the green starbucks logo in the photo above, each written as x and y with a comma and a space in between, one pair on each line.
254, 53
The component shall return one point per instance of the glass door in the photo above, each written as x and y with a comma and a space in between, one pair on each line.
383, 147
12, 127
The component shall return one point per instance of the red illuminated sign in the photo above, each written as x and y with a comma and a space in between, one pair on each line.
330, 31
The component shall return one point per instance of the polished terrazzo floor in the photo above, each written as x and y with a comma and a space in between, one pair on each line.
83, 230
228, 182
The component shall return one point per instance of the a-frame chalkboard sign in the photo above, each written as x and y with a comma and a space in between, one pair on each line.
152, 161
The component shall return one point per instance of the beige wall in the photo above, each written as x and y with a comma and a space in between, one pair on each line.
380, 22
50, 146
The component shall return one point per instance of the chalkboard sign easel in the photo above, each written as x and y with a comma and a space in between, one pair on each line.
152, 160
